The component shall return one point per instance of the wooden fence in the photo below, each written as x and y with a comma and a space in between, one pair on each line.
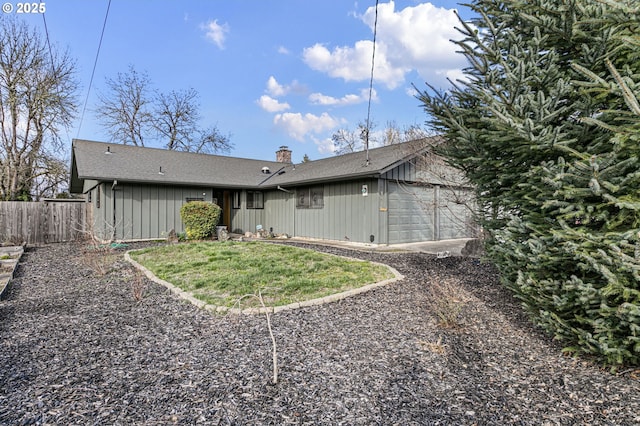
42, 222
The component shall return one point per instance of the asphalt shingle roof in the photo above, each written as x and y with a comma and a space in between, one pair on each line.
108, 161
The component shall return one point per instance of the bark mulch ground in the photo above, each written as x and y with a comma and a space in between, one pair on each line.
78, 348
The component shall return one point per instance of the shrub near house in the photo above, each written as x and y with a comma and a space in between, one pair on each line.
200, 219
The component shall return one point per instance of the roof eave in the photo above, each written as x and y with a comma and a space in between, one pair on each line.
303, 182
75, 182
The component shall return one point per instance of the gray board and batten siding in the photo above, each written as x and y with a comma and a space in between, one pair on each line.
245, 219
344, 214
391, 212
136, 193
126, 211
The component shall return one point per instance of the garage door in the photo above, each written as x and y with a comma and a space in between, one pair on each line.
411, 213
453, 219
418, 213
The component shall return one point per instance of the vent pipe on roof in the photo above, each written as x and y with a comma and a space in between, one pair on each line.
108, 151
160, 172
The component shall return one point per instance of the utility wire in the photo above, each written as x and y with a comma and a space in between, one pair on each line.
95, 64
53, 64
373, 58
46, 31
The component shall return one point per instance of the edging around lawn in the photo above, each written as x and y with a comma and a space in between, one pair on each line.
272, 309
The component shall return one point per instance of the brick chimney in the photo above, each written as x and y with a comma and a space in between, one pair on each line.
283, 155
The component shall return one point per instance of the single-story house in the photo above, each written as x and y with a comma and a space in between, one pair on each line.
384, 195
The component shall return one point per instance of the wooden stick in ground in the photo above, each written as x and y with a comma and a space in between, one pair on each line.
274, 349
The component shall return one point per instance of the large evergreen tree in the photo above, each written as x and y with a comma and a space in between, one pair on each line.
547, 127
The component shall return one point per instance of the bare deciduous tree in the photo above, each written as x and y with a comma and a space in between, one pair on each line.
176, 118
51, 177
212, 141
131, 113
125, 112
346, 140
37, 100
394, 134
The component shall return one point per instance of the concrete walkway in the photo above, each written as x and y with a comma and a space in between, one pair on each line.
454, 247
444, 247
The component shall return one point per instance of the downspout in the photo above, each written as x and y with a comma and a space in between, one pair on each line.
113, 196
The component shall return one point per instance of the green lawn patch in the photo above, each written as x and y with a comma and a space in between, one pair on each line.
219, 273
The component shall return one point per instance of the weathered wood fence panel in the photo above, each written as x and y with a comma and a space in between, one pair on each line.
43, 221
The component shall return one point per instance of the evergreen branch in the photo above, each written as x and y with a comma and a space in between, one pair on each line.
616, 5
628, 95
631, 40
601, 124
587, 72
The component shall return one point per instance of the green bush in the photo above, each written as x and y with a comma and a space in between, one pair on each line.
200, 219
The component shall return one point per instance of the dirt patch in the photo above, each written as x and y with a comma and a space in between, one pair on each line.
77, 348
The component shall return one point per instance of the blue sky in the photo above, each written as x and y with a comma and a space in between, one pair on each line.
269, 72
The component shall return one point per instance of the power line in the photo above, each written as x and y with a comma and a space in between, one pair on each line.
373, 57
46, 31
95, 64
53, 63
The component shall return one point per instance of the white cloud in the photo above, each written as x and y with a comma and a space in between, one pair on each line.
269, 104
418, 37
277, 90
454, 74
354, 63
298, 126
325, 146
414, 38
274, 88
215, 32
283, 50
411, 91
350, 99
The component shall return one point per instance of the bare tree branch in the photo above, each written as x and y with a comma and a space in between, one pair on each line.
37, 100
213, 142
131, 114
125, 112
176, 118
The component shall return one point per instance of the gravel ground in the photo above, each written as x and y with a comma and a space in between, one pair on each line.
77, 348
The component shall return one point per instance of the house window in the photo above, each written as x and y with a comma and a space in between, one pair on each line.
310, 198
236, 200
254, 200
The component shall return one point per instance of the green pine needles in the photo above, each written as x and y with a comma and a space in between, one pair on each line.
547, 127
